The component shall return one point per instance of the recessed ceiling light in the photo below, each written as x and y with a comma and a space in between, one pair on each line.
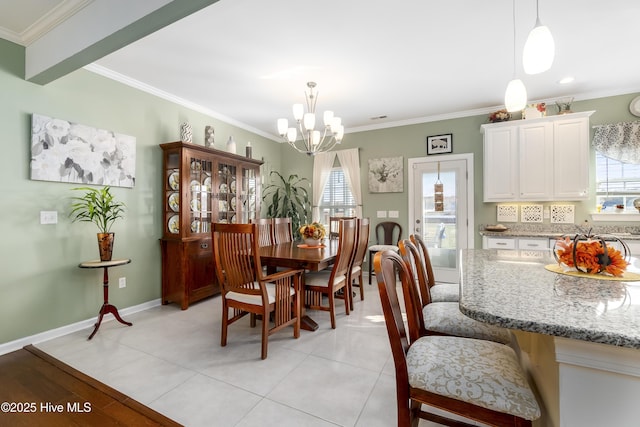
566, 80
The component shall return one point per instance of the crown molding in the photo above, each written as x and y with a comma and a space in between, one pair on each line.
54, 17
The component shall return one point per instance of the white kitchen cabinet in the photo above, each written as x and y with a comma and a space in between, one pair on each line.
537, 159
522, 244
500, 164
571, 158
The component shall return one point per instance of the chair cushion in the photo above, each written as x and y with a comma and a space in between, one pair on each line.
377, 248
321, 278
483, 373
446, 318
445, 292
256, 299
356, 270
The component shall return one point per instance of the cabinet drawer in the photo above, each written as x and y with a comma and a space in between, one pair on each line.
501, 243
533, 244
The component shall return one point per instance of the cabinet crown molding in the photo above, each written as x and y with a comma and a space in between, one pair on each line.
549, 119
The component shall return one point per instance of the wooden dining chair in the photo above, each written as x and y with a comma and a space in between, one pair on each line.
444, 318
334, 225
440, 292
282, 232
328, 282
387, 234
359, 252
265, 231
479, 380
247, 290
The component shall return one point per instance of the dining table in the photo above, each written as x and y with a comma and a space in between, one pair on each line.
300, 256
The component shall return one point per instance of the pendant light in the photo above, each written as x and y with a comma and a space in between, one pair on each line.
515, 97
539, 50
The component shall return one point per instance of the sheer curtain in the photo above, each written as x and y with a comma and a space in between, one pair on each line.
322, 164
618, 141
350, 162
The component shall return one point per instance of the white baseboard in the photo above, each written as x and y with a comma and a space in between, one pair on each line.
10, 346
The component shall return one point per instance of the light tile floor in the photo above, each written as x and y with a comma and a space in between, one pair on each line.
171, 360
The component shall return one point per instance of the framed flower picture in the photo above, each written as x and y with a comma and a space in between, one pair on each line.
440, 144
386, 175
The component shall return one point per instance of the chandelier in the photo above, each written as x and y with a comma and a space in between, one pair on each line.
313, 141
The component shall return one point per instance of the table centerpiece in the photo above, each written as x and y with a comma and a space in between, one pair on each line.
592, 254
312, 233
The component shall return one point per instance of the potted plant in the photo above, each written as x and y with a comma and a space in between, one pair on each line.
99, 207
288, 198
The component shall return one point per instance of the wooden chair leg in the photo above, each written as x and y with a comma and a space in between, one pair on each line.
361, 284
225, 322
370, 265
332, 309
265, 335
348, 290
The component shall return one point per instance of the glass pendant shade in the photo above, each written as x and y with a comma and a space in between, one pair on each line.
309, 121
327, 117
298, 111
515, 98
283, 125
539, 50
292, 134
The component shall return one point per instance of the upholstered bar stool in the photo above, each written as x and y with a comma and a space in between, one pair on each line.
477, 379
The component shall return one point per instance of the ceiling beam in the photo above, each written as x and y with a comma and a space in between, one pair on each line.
101, 27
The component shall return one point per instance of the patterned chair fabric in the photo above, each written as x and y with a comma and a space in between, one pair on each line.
480, 380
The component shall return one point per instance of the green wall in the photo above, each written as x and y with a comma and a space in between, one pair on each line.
410, 142
41, 287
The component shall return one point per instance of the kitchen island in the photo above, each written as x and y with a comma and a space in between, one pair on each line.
582, 335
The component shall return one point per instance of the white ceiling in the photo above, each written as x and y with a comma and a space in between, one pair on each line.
247, 61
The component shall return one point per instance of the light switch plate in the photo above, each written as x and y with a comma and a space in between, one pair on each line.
48, 217
381, 214
394, 214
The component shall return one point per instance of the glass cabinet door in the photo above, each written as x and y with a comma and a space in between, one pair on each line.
226, 194
199, 195
249, 195
172, 193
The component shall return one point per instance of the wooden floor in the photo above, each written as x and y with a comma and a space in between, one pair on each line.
39, 390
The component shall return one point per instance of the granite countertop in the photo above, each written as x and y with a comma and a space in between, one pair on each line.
518, 293
533, 230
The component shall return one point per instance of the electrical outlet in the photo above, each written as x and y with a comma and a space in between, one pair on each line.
48, 217
122, 282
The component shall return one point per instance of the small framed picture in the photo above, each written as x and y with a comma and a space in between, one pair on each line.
440, 144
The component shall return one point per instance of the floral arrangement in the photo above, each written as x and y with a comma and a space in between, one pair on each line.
499, 116
590, 254
315, 230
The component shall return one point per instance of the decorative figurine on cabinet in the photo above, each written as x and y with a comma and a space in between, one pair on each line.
208, 136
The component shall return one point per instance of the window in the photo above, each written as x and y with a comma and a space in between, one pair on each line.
617, 183
337, 199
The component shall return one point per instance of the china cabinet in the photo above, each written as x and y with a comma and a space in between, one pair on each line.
201, 185
537, 159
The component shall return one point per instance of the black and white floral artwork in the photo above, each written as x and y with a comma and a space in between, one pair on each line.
64, 151
386, 175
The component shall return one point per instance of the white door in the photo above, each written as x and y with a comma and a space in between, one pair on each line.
445, 232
